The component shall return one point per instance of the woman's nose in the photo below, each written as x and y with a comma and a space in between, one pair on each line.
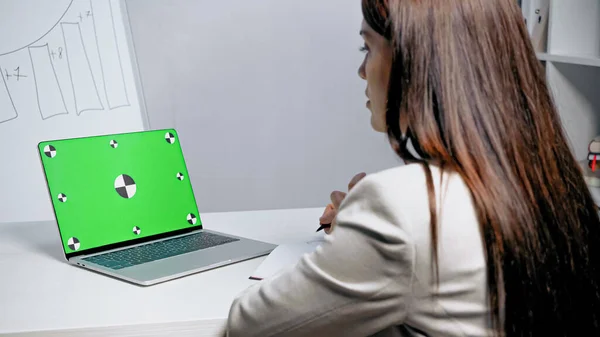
361, 71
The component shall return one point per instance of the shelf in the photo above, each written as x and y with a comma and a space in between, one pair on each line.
581, 60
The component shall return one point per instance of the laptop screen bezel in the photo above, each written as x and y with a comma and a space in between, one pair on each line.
121, 244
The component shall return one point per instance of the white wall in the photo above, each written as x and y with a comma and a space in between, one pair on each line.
265, 95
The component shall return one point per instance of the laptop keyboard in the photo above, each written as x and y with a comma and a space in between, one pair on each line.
159, 250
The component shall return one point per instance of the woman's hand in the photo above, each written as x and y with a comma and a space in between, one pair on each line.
337, 197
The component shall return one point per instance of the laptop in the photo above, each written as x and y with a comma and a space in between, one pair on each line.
125, 207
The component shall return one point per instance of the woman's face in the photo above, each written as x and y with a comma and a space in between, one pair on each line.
375, 69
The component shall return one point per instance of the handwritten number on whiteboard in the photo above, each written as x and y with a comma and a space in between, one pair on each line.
87, 15
18, 74
60, 53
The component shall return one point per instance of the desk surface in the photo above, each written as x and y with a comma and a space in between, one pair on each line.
40, 292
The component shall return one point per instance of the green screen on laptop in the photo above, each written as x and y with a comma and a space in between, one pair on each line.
115, 188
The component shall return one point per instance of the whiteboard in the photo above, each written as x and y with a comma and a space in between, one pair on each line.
67, 70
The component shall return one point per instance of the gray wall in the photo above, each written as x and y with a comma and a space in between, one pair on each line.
265, 95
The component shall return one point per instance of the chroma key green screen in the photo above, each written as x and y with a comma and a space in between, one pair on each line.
114, 188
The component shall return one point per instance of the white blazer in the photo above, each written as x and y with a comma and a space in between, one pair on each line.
373, 274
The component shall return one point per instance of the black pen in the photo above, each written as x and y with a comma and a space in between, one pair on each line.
323, 226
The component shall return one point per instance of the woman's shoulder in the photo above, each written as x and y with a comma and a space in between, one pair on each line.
408, 184
403, 193
412, 174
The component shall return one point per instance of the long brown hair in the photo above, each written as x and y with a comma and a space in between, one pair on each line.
469, 93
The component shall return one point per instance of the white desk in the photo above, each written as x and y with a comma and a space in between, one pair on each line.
41, 295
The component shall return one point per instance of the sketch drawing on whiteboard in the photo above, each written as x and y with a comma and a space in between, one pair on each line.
8, 111
110, 57
49, 31
85, 91
34, 21
48, 92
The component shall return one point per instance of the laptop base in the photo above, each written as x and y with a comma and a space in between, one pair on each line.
170, 268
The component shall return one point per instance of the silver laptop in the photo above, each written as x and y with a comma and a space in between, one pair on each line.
125, 207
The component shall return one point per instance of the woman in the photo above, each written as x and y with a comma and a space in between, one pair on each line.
488, 230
